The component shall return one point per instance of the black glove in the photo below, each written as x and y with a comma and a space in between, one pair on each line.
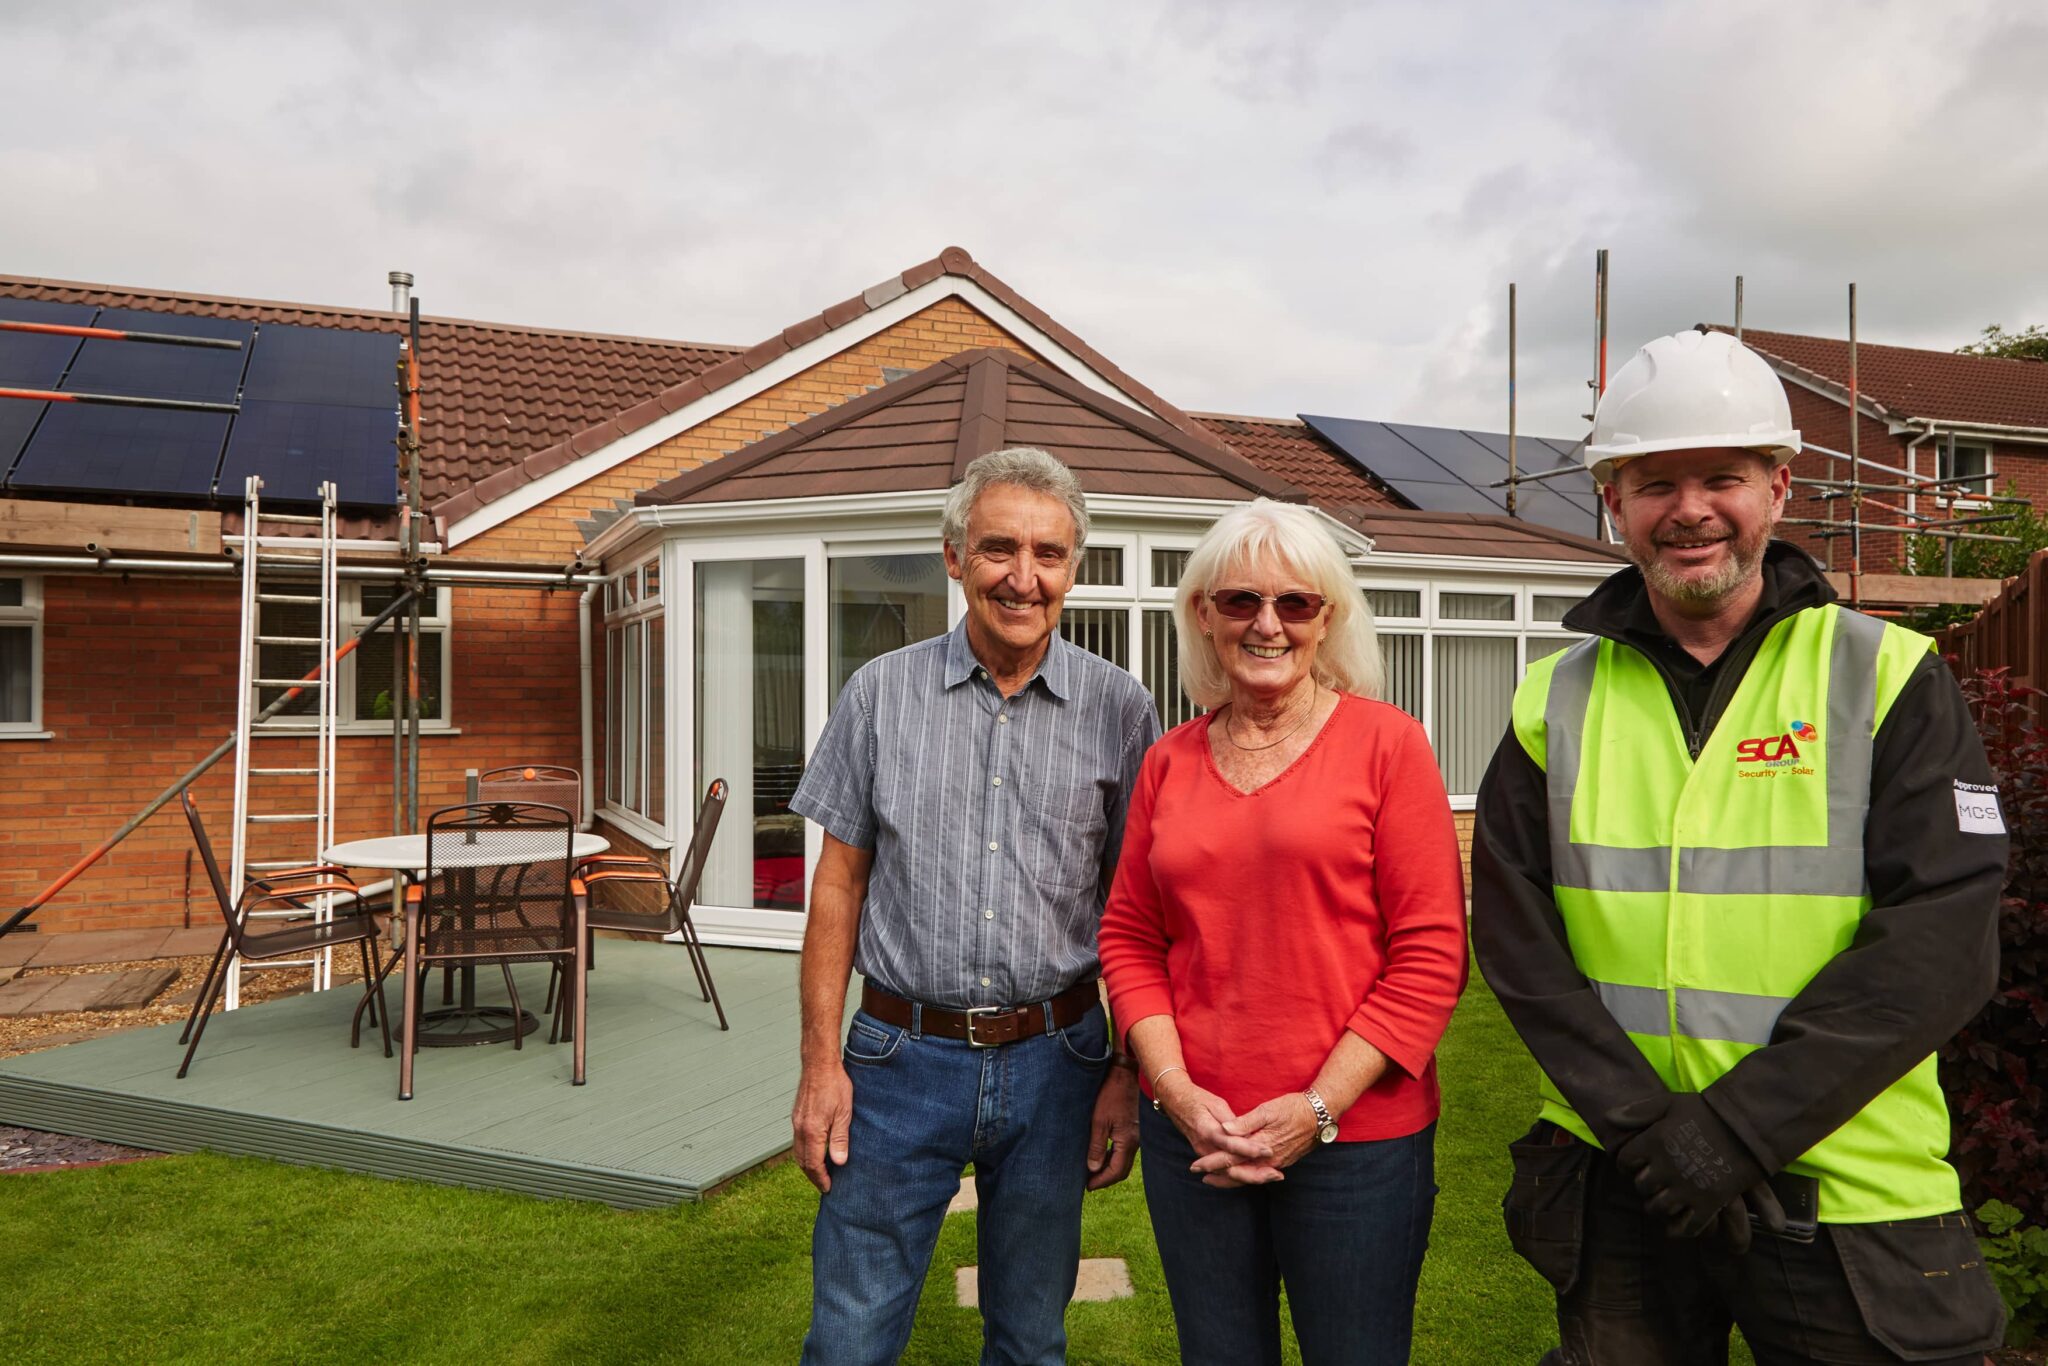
1689, 1167
1759, 1204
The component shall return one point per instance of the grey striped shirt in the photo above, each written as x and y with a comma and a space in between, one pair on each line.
995, 824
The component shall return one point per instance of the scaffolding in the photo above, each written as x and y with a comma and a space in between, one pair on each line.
414, 569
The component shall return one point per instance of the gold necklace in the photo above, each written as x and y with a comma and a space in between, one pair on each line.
1315, 696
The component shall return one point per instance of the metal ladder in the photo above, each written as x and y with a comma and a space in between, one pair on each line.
294, 554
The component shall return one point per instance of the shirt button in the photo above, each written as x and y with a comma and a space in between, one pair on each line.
1003, 719
991, 845
984, 981
996, 783
988, 915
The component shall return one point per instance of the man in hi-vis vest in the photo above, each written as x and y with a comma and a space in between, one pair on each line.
1735, 876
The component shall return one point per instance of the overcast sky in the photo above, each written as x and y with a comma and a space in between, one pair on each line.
1265, 208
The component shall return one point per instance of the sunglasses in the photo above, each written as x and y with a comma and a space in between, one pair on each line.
1241, 604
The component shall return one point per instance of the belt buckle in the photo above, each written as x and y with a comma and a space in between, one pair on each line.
970, 1013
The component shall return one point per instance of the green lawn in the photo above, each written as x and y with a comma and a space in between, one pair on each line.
215, 1259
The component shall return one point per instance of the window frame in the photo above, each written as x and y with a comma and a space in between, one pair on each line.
350, 620
1431, 625
29, 614
630, 604
1945, 454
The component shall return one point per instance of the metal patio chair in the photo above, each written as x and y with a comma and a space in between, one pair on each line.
467, 913
622, 895
291, 889
546, 784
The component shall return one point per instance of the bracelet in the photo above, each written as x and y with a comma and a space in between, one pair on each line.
1155, 1081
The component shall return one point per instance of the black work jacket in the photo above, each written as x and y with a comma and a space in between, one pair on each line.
1923, 961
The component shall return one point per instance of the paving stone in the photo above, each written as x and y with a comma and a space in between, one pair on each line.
17, 948
19, 996
1100, 1278
184, 943
100, 946
135, 987
964, 1198
81, 991
8, 974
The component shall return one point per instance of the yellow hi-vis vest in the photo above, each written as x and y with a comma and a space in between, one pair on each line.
1701, 895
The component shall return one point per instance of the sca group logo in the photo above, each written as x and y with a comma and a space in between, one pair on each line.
1770, 749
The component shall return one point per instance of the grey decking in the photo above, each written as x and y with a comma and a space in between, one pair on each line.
673, 1106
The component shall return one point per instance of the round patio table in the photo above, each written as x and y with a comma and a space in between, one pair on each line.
465, 1022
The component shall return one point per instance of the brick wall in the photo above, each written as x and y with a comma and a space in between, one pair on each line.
139, 684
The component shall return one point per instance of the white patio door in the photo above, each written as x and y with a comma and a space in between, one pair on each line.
750, 657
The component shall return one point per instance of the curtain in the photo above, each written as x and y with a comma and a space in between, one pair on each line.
1474, 693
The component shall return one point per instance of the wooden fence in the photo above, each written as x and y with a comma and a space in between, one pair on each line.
2011, 632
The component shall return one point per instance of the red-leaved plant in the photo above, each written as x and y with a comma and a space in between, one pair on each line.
1995, 1069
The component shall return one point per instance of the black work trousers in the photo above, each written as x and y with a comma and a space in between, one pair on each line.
1628, 1295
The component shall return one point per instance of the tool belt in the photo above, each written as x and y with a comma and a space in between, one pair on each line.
983, 1026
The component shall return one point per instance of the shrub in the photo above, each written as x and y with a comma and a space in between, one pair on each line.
2017, 1256
1994, 1070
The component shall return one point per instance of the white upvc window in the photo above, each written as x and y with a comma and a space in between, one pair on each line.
365, 705
636, 697
21, 655
1454, 651
1121, 608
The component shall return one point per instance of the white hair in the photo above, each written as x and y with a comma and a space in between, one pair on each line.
1025, 466
1263, 534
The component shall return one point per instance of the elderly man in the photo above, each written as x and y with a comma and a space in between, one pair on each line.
972, 791
1735, 875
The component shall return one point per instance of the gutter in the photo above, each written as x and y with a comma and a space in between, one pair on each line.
450, 575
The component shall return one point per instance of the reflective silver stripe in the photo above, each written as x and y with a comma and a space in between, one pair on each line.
1639, 1010
1609, 867
1732, 1016
1833, 869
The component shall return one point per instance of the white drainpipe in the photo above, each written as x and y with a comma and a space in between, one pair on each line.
586, 705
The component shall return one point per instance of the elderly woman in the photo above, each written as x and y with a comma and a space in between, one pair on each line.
1283, 944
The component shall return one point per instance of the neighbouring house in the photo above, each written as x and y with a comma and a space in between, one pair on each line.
1929, 415
762, 520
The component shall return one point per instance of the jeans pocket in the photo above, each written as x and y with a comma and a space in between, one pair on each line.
1921, 1286
870, 1042
1086, 1044
1545, 1207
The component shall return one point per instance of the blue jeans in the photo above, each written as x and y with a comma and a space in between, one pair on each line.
923, 1108
1345, 1232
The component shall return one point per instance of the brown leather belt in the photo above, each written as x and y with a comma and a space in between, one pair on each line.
983, 1026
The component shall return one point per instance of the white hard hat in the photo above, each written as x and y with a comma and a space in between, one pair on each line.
1692, 390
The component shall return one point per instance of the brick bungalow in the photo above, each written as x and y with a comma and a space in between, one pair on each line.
763, 518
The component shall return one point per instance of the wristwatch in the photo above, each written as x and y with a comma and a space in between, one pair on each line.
1326, 1128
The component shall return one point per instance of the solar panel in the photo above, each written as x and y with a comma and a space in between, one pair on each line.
32, 361
1443, 469
1371, 445
123, 450
297, 446
1457, 452
323, 365
146, 370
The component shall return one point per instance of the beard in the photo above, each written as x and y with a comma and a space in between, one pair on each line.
1745, 558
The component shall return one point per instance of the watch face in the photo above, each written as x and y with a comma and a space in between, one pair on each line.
1328, 1133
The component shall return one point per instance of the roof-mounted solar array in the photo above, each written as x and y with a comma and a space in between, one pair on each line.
1443, 469
311, 405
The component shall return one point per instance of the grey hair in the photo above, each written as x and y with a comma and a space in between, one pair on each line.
1025, 466
1259, 534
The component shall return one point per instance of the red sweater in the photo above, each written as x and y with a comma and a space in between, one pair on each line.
1268, 923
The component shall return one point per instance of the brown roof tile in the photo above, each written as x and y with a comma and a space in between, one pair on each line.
1908, 382
1288, 448
920, 431
491, 394
1406, 531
